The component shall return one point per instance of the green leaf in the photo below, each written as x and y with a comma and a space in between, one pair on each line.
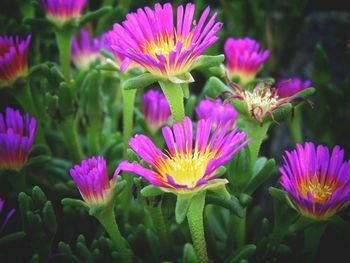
277, 193
263, 175
281, 113
11, 238
90, 16
242, 253
151, 191
304, 93
108, 54
185, 90
49, 218
233, 204
221, 193
66, 100
189, 255
39, 197
245, 199
182, 79
140, 82
213, 87
205, 61
183, 202
75, 203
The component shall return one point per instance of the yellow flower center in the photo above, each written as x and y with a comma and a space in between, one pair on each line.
321, 192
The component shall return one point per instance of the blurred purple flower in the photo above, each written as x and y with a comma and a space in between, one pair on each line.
289, 87
8, 215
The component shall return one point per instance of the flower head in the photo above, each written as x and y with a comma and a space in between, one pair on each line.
7, 217
91, 177
13, 58
319, 183
85, 49
156, 110
16, 139
61, 11
164, 47
186, 166
289, 87
219, 113
244, 58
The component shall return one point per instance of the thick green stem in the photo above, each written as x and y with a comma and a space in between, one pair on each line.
313, 236
107, 220
195, 222
71, 137
93, 139
175, 96
257, 133
295, 126
128, 116
240, 226
64, 38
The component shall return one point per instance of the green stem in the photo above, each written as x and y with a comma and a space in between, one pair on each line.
64, 38
68, 128
93, 139
295, 126
195, 222
312, 240
257, 133
175, 96
107, 220
240, 226
128, 116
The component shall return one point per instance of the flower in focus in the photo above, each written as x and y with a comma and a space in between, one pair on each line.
186, 167
219, 113
61, 11
91, 178
85, 50
164, 47
262, 101
13, 58
7, 217
289, 87
16, 139
244, 58
319, 183
156, 110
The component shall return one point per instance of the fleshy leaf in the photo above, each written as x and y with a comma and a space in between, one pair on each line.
151, 190
182, 204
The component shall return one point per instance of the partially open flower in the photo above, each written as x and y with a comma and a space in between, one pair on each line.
61, 11
219, 113
13, 58
164, 47
7, 217
289, 87
186, 167
156, 110
244, 58
91, 178
85, 49
16, 139
318, 183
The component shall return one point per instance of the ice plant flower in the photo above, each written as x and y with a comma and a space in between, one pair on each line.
156, 110
16, 139
164, 47
186, 166
61, 11
85, 49
13, 58
91, 178
244, 58
218, 112
318, 183
289, 87
7, 217
261, 102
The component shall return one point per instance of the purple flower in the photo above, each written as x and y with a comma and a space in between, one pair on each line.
85, 49
91, 178
189, 164
290, 87
16, 139
319, 183
219, 113
156, 110
61, 11
164, 47
244, 58
7, 217
13, 58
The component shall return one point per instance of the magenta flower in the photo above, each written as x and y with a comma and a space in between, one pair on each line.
85, 49
164, 47
7, 217
13, 58
290, 87
61, 11
16, 139
186, 166
156, 110
219, 113
91, 178
319, 183
244, 58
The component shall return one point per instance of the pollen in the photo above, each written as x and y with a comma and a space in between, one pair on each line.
321, 192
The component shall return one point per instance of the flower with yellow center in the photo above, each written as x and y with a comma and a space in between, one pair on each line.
188, 165
319, 183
